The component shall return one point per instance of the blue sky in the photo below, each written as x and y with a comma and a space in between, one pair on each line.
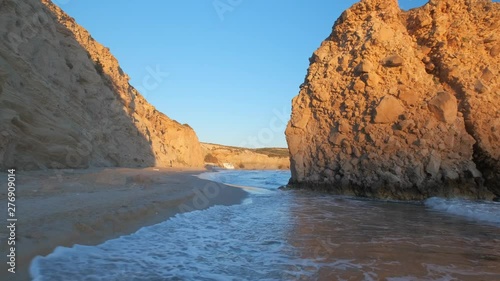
228, 68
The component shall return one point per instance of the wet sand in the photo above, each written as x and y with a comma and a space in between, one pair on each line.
88, 207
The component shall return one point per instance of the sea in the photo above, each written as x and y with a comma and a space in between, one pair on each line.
296, 235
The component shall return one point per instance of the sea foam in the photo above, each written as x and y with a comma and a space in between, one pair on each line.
294, 236
473, 210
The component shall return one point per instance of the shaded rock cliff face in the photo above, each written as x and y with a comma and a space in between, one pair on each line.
401, 104
66, 103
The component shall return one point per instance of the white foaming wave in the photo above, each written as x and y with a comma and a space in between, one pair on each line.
217, 244
475, 210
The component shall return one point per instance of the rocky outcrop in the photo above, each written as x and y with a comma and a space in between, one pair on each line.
402, 105
246, 158
66, 103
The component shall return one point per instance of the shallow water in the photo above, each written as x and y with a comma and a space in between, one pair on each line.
296, 235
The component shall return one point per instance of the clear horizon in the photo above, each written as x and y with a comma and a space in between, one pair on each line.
228, 68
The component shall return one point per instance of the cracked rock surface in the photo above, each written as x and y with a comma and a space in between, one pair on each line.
402, 104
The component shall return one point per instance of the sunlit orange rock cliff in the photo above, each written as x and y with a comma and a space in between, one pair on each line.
66, 103
402, 104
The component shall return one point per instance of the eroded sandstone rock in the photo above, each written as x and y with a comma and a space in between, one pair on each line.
66, 103
402, 113
444, 107
388, 110
393, 61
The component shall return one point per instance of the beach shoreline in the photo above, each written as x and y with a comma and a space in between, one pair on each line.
91, 206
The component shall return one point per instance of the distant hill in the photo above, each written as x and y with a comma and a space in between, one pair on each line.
246, 158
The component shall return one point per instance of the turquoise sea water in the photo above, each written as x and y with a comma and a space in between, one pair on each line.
296, 235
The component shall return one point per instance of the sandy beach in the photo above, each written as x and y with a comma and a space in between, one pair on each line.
88, 207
